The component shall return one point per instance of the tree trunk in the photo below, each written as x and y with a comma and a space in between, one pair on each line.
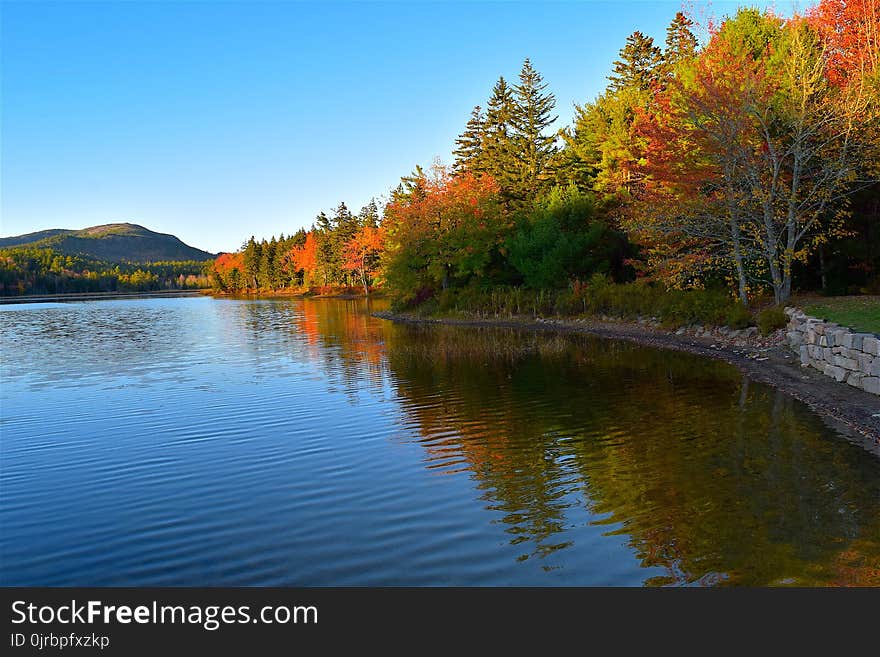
776, 278
740, 268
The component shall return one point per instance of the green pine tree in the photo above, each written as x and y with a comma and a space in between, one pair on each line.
266, 271
252, 255
469, 150
369, 215
681, 44
501, 156
326, 255
638, 65
345, 226
533, 115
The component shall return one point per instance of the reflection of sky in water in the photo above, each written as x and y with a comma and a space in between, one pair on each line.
118, 343
201, 441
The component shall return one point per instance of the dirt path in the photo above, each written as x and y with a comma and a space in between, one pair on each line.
851, 411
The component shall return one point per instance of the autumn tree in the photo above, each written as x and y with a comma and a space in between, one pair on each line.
780, 144
361, 254
304, 258
227, 273
603, 149
446, 236
850, 31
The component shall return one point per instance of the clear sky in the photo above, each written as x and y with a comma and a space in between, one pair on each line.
217, 121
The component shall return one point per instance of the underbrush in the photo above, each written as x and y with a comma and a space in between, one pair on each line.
599, 296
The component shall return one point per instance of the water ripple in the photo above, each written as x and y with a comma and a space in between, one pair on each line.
239, 442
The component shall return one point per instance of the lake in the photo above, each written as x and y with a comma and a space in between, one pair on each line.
200, 441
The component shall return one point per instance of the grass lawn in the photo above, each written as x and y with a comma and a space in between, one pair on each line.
859, 313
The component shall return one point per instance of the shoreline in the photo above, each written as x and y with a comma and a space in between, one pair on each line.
848, 410
98, 296
296, 294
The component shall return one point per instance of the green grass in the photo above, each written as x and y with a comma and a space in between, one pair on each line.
859, 313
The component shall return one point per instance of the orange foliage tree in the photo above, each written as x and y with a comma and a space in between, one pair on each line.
361, 254
305, 258
227, 272
444, 231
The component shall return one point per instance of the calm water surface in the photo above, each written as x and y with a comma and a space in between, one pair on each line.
195, 441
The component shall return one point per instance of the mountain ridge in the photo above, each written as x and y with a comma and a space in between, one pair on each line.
113, 242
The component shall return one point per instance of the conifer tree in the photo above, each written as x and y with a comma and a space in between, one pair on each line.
532, 116
266, 272
251, 263
638, 63
501, 156
369, 215
469, 150
681, 43
325, 256
345, 226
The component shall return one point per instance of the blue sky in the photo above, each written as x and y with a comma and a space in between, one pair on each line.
216, 121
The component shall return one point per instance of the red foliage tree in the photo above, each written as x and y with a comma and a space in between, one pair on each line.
850, 30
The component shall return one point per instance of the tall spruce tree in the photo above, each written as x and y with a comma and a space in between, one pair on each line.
532, 116
469, 145
265, 272
638, 64
681, 43
345, 226
252, 255
369, 215
325, 257
501, 157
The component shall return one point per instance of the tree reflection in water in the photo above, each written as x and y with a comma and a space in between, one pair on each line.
712, 478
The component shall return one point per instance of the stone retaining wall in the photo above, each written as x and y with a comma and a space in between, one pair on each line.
835, 350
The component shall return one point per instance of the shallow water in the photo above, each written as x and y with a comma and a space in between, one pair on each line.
199, 441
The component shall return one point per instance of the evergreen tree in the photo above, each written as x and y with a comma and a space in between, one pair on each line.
276, 273
266, 271
532, 116
638, 64
299, 238
252, 253
369, 215
411, 187
501, 156
681, 43
469, 150
326, 257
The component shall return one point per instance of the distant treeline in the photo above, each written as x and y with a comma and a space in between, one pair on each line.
340, 250
29, 270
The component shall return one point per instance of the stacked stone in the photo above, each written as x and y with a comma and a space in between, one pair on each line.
835, 350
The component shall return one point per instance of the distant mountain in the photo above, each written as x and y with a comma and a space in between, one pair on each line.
111, 243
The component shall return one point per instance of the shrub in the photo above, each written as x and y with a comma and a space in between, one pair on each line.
598, 296
771, 319
738, 316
